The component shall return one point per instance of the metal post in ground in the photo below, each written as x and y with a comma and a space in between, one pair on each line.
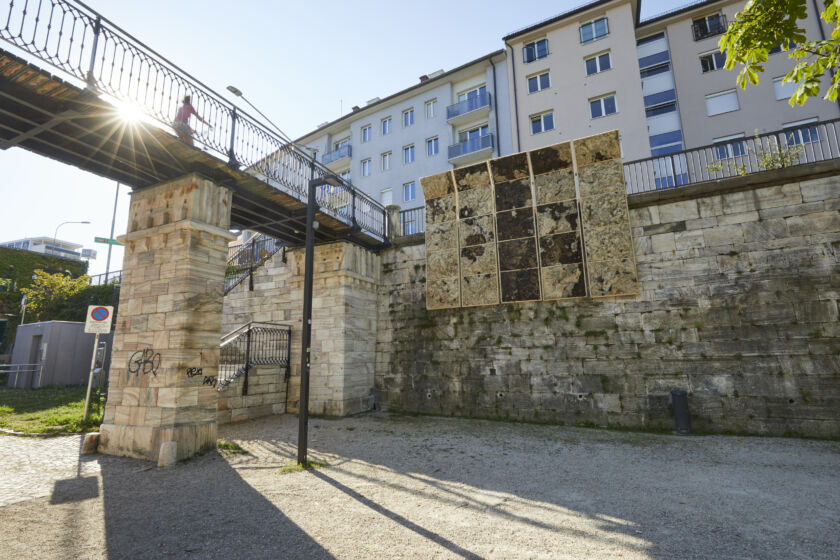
306, 334
90, 376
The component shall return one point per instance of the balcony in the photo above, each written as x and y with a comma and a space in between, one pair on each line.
469, 109
709, 27
338, 158
474, 149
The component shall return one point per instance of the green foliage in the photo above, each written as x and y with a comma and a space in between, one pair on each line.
58, 297
766, 24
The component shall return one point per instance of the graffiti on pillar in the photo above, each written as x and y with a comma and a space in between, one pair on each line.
144, 361
207, 380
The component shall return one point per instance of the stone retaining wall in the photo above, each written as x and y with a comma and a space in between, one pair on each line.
266, 395
739, 306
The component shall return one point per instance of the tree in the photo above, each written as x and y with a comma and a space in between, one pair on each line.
48, 296
767, 24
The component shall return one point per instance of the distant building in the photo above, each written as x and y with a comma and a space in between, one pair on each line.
52, 247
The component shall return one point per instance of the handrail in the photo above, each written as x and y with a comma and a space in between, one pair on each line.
807, 143
248, 257
75, 39
252, 345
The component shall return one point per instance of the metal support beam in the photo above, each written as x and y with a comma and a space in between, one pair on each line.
32, 132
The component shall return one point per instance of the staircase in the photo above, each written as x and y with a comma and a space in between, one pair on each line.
249, 256
254, 344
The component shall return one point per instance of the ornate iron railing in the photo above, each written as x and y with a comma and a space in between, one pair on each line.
254, 344
807, 143
77, 40
249, 256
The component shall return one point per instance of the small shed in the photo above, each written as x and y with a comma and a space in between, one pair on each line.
53, 353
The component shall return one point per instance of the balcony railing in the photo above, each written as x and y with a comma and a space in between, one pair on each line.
342, 152
470, 146
412, 221
709, 27
788, 147
468, 105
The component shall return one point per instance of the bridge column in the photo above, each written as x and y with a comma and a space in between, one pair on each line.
166, 345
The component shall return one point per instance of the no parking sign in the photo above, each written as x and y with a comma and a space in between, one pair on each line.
99, 319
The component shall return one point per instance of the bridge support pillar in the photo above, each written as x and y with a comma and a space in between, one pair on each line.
166, 345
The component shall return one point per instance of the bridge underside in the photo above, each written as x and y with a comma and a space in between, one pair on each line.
51, 117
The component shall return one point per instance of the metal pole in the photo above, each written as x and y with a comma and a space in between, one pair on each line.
306, 334
97, 29
90, 375
113, 222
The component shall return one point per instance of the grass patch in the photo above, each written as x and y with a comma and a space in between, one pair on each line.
49, 410
296, 467
229, 448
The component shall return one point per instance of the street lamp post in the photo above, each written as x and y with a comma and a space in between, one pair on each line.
55, 234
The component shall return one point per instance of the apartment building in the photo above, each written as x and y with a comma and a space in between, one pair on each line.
660, 81
449, 119
52, 247
712, 109
576, 75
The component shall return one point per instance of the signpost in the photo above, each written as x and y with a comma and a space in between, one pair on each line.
98, 321
107, 241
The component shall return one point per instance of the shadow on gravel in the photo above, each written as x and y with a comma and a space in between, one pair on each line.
198, 509
422, 531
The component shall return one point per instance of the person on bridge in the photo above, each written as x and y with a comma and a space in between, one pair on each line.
182, 121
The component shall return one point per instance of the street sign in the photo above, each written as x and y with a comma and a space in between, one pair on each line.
99, 319
107, 241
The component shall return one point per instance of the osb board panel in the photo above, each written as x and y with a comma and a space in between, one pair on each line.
604, 217
548, 224
477, 236
443, 274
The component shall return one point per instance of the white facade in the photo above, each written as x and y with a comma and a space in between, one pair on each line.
448, 120
52, 247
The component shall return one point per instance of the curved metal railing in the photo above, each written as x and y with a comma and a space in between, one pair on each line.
75, 39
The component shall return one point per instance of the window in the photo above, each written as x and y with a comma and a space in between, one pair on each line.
535, 51
602, 106
725, 148
712, 61
598, 64
410, 227
367, 133
800, 133
345, 175
341, 144
386, 161
366, 167
387, 197
408, 154
432, 146
538, 82
473, 133
408, 117
409, 192
542, 123
386, 126
431, 108
708, 26
474, 93
723, 102
592, 30
784, 90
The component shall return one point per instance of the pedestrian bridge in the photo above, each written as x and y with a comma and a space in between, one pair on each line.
76, 88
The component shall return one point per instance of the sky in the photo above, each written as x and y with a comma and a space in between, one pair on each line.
300, 63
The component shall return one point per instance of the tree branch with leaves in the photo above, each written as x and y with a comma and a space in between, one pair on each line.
766, 24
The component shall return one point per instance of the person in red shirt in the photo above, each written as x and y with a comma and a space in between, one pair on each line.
182, 121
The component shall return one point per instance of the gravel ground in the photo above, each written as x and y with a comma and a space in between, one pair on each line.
420, 487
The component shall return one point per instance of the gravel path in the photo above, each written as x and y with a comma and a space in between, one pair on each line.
420, 487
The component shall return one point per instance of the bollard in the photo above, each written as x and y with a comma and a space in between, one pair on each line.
682, 419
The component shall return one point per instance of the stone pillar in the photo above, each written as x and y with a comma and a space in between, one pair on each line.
393, 213
166, 346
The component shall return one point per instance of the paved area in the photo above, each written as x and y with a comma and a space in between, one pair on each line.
418, 487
